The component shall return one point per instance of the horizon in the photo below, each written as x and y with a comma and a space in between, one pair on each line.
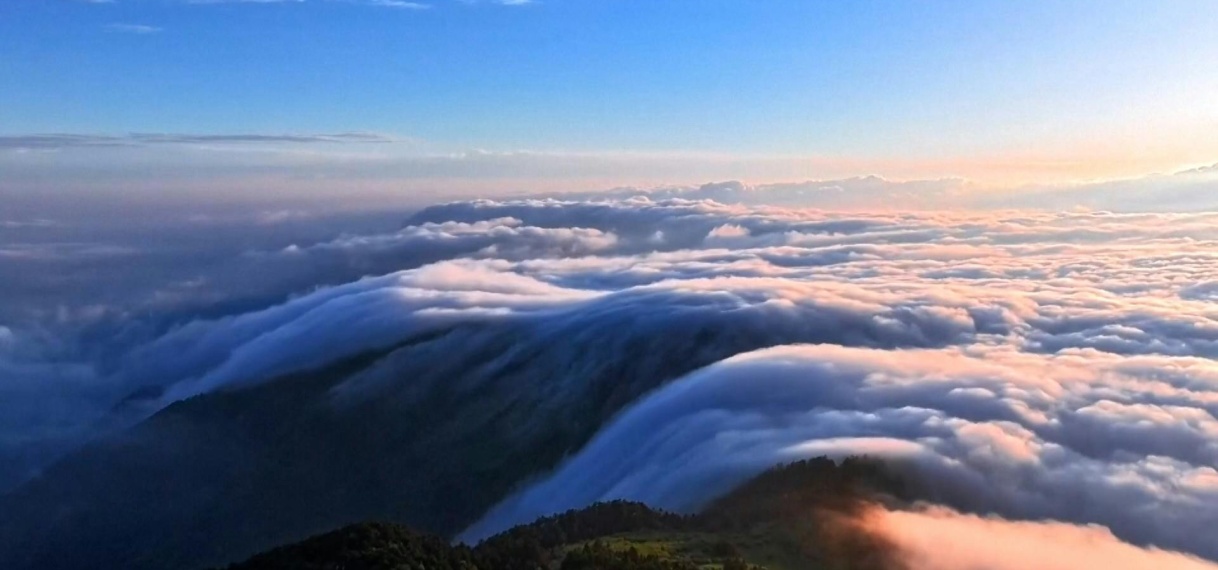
372, 101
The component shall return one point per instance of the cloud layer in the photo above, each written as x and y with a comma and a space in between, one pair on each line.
1036, 365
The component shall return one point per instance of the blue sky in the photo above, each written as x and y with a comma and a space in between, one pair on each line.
1006, 91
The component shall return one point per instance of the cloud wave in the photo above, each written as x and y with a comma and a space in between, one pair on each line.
1036, 365
989, 428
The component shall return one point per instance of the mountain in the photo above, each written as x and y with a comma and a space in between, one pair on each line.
405, 433
791, 517
367, 546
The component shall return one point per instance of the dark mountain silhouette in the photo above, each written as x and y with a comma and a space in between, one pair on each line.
429, 442
794, 516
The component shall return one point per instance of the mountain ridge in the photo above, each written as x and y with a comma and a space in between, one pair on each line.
791, 516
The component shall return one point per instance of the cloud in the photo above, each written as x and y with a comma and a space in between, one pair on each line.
354, 137
243, 1
502, 2
139, 29
988, 428
57, 141
1031, 364
402, 4
32, 223
941, 539
399, 4
67, 140
1188, 190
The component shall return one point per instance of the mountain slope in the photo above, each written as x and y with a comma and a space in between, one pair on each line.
402, 434
795, 516
367, 546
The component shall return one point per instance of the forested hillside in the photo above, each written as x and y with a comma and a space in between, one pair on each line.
795, 516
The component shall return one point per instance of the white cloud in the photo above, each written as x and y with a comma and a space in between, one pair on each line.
243, 1
1033, 364
398, 4
140, 29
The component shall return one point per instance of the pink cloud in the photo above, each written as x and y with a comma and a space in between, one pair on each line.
941, 539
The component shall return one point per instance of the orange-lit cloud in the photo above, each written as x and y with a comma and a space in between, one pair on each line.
937, 538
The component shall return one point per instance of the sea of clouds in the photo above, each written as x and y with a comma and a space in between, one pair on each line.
1033, 366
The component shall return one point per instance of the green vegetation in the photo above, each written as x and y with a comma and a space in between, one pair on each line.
369, 546
793, 517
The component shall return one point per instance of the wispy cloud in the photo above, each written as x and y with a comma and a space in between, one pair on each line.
67, 140
397, 4
350, 137
243, 1
501, 2
1209, 169
404, 4
134, 29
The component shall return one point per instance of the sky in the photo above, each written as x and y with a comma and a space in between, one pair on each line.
279, 98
